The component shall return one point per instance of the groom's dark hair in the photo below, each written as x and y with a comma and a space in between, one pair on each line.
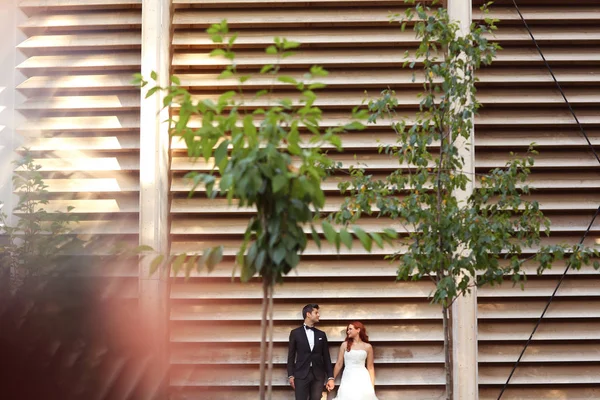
308, 309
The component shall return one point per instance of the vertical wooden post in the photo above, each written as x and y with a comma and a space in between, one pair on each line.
464, 310
154, 193
10, 57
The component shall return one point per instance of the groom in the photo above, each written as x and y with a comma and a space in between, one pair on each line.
309, 362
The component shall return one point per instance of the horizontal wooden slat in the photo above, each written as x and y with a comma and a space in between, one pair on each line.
540, 353
291, 290
82, 62
237, 226
250, 354
405, 307
284, 393
547, 392
201, 206
390, 35
542, 117
394, 77
548, 330
530, 75
231, 246
571, 286
537, 96
97, 4
378, 162
249, 376
369, 267
121, 205
116, 184
76, 83
112, 123
115, 102
554, 13
85, 41
546, 35
121, 142
543, 374
84, 20
542, 139
561, 307
328, 58
308, 16
115, 163
280, 3
558, 181
250, 333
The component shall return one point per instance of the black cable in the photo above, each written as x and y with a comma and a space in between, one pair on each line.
546, 308
556, 82
593, 218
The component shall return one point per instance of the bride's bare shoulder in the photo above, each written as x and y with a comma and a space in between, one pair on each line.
344, 345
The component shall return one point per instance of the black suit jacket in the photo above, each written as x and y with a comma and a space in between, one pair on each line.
300, 356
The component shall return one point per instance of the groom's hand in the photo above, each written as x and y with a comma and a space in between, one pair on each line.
330, 385
292, 384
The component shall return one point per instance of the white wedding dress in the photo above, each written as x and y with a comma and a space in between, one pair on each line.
356, 381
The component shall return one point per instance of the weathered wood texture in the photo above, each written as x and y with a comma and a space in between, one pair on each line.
521, 105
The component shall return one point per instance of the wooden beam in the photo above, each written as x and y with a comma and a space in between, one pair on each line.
464, 309
154, 189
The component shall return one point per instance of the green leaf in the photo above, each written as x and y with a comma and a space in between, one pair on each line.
176, 267
317, 70
377, 239
279, 182
315, 236
221, 154
214, 257
175, 80
364, 238
260, 260
316, 85
279, 254
142, 248
152, 91
217, 53
287, 79
156, 263
271, 50
346, 238
154, 75
225, 74
329, 232
266, 68
287, 45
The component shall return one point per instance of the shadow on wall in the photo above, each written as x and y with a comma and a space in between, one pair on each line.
63, 338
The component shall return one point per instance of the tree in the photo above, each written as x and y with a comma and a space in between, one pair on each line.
39, 238
48, 314
271, 159
458, 244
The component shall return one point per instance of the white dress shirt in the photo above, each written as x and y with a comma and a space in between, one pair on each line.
310, 335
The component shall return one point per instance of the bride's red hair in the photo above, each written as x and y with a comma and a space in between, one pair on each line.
362, 333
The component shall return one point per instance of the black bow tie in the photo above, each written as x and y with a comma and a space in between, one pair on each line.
312, 328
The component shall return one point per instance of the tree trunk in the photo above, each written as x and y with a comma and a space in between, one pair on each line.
263, 338
270, 352
448, 353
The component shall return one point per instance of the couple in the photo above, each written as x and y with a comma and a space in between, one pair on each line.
309, 362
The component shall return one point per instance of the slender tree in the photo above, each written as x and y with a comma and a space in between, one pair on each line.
271, 159
457, 244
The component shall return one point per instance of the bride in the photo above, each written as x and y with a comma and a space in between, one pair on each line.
358, 380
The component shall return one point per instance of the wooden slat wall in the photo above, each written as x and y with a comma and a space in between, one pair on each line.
215, 322
522, 105
81, 120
